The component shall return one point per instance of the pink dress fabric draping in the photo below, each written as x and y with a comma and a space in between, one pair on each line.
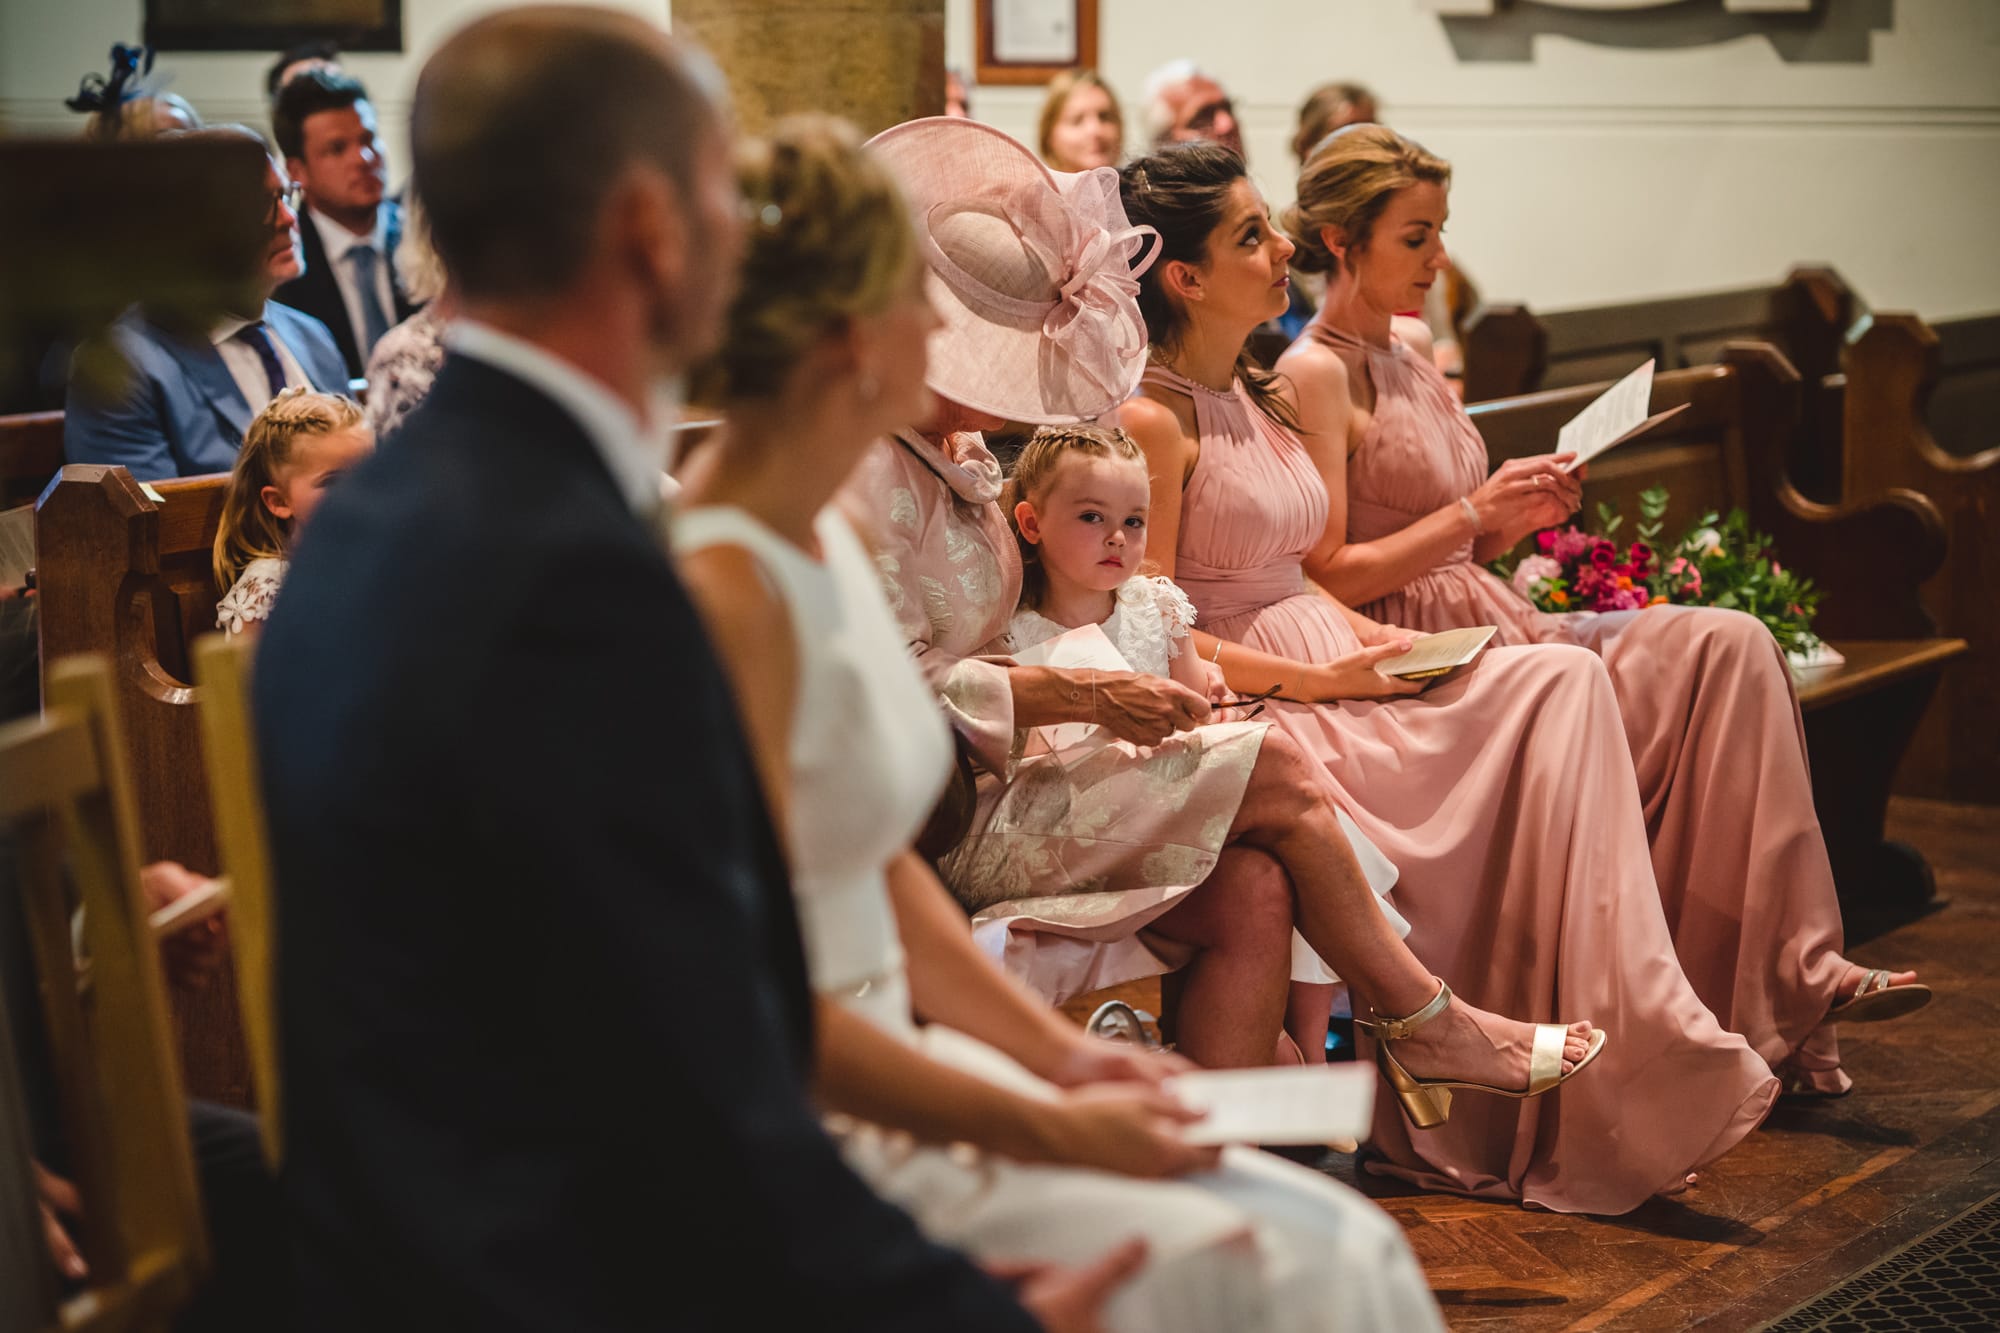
1070, 856
1503, 795
1710, 715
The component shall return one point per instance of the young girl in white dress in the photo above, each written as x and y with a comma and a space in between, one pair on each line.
297, 447
1002, 1127
1077, 499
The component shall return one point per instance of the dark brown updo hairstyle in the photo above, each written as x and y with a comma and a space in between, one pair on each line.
1180, 191
1348, 182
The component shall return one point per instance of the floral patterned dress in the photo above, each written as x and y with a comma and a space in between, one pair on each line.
402, 367
1071, 855
251, 596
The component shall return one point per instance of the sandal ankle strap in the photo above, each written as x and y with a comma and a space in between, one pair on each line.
1395, 1029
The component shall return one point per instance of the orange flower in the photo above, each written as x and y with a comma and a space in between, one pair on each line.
1624, 583
1658, 598
1559, 597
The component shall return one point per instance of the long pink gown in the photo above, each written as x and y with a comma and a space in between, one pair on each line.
1504, 796
1710, 716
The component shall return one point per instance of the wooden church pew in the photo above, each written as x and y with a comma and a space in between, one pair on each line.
1870, 557
31, 452
1923, 413
122, 573
1510, 350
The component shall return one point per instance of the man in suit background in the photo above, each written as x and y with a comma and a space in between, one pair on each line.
325, 127
546, 1027
186, 402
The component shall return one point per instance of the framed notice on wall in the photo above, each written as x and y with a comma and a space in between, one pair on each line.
1032, 41
273, 25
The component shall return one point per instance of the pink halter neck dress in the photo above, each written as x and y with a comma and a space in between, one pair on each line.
1503, 796
1709, 713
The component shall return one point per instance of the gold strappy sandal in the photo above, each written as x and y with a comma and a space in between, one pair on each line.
1876, 1001
1427, 1102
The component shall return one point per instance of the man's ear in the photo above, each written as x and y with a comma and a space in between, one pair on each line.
1028, 521
274, 500
295, 168
1182, 279
649, 220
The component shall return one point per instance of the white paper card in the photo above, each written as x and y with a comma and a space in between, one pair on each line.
1035, 32
1085, 648
1439, 652
1609, 419
1289, 1104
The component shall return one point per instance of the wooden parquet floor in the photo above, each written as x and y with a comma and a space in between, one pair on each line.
1823, 1191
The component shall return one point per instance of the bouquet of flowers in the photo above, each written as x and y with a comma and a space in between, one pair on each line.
1719, 562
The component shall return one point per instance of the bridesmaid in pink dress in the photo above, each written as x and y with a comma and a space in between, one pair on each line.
1705, 694
1502, 793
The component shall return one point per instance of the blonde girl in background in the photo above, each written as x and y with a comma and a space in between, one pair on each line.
297, 447
1080, 126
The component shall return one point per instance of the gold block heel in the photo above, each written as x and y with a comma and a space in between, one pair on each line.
1427, 1102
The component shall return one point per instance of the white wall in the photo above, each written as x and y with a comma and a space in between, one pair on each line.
1585, 171
1589, 173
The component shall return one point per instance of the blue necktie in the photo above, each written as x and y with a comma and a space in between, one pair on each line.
259, 338
373, 322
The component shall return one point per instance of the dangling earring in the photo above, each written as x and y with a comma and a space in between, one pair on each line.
867, 388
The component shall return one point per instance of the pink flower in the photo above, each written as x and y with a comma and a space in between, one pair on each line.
1532, 570
1776, 571
1569, 544
1545, 541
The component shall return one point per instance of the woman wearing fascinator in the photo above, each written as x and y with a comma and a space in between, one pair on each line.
1147, 846
1004, 1129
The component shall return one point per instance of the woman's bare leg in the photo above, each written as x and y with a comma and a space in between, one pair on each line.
1308, 1011
1285, 811
1232, 996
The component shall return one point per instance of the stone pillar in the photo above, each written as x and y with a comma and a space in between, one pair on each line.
876, 62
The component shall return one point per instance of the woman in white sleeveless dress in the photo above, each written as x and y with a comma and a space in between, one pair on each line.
1060, 1143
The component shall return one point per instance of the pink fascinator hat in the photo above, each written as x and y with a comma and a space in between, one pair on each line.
1032, 271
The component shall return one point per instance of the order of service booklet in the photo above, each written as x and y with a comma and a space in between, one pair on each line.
1285, 1105
1086, 646
1435, 654
1613, 417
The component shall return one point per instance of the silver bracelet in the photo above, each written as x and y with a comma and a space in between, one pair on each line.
1471, 514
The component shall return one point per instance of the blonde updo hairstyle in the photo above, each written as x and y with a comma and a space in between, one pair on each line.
1060, 89
248, 530
1035, 471
829, 240
1347, 183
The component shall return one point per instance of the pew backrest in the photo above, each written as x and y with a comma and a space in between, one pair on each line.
1964, 410
1727, 451
1510, 350
1898, 371
31, 453
122, 569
